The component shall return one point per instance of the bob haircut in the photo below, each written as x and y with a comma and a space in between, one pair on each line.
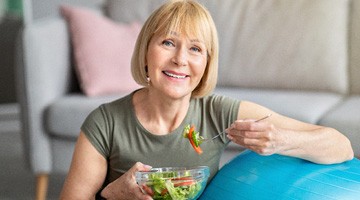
184, 17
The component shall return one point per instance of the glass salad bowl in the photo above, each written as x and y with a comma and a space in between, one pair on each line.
180, 183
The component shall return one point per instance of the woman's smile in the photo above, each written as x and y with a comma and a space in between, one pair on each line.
175, 75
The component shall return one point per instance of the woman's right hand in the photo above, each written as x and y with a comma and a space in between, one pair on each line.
125, 187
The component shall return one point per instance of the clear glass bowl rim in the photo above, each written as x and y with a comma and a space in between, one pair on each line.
197, 173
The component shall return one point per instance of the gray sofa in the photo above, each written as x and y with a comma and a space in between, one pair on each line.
300, 58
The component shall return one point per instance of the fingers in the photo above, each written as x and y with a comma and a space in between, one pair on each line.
125, 187
139, 167
250, 125
250, 134
144, 193
257, 136
250, 129
134, 191
147, 190
263, 147
252, 143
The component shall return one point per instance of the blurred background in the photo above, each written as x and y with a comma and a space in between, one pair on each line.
14, 177
16, 181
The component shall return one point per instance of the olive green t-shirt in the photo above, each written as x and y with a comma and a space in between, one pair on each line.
116, 133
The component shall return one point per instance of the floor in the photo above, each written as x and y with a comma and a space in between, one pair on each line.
16, 181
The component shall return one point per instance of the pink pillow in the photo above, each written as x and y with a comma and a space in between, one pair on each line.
102, 50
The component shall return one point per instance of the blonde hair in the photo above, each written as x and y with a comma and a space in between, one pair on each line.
185, 17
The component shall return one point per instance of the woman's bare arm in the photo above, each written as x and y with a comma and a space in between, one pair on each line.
287, 136
87, 172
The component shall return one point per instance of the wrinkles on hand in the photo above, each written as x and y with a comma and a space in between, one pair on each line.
125, 187
261, 137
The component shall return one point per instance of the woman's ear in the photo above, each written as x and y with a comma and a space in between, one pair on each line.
147, 76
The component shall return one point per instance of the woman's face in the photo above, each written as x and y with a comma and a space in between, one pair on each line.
176, 64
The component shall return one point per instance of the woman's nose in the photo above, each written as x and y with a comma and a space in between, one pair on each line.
180, 57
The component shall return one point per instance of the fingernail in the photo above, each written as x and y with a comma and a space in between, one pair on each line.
148, 166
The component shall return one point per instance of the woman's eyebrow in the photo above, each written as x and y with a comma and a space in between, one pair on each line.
195, 40
174, 33
191, 40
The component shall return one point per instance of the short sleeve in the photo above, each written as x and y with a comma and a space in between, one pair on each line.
224, 110
96, 129
225, 107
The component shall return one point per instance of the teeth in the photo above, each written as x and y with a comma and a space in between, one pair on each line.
174, 75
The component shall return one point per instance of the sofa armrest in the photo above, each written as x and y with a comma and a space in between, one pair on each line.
43, 75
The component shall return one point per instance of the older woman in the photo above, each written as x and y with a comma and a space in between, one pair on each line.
175, 59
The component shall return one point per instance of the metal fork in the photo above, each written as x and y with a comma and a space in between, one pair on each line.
209, 139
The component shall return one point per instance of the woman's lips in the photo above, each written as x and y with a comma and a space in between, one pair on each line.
175, 75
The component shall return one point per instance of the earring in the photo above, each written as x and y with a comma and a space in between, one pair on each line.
148, 80
147, 76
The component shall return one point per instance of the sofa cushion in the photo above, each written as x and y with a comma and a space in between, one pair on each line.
102, 51
65, 116
301, 105
346, 117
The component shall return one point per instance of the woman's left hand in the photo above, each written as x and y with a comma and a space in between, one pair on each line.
125, 187
261, 137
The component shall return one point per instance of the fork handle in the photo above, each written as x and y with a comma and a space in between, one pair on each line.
263, 117
255, 121
218, 135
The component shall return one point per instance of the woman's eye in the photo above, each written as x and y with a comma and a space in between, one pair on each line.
168, 43
195, 49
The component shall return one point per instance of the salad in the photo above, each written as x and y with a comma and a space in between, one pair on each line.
166, 186
194, 138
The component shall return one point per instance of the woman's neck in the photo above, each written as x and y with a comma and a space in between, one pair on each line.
159, 114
